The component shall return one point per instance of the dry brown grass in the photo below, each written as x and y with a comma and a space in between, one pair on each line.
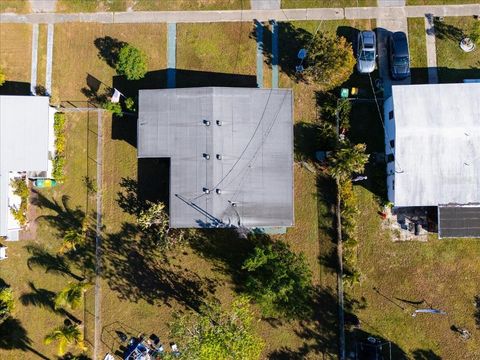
16, 6
73, 63
15, 51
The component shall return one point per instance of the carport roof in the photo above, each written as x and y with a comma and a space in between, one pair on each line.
237, 141
23, 141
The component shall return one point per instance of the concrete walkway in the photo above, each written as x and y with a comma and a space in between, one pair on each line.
33, 72
171, 55
48, 73
259, 36
43, 5
389, 12
265, 4
431, 50
275, 55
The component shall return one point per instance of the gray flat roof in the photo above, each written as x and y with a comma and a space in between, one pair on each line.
23, 141
253, 138
437, 144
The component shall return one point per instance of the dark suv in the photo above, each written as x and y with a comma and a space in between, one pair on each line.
399, 55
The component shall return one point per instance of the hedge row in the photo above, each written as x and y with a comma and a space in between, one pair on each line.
59, 159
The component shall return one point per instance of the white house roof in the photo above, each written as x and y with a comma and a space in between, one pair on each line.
23, 141
437, 144
247, 134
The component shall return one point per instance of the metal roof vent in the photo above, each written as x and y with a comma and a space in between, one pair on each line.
206, 190
219, 156
219, 123
218, 191
206, 122
206, 156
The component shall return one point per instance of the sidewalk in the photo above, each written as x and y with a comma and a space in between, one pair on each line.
244, 15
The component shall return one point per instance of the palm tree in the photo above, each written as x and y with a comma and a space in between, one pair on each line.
71, 296
66, 335
74, 237
6, 302
348, 160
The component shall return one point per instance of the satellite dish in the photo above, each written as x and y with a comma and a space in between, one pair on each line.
302, 54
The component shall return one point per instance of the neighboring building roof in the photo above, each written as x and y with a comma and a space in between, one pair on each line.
437, 144
254, 140
458, 221
23, 141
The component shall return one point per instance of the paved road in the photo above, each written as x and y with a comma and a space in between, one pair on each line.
245, 15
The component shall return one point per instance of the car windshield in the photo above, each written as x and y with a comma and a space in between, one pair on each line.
367, 55
401, 60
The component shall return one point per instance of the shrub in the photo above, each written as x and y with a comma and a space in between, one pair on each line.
132, 63
329, 61
59, 159
114, 108
2, 77
6, 303
130, 104
279, 280
213, 333
20, 188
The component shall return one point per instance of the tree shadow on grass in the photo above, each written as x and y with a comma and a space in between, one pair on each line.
448, 31
13, 336
291, 40
306, 141
109, 49
56, 264
422, 354
476, 315
45, 299
138, 270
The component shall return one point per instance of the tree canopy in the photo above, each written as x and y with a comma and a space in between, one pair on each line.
6, 303
2, 77
66, 335
347, 160
71, 296
132, 63
215, 334
279, 280
329, 60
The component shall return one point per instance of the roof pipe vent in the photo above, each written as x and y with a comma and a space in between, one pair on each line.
206, 122
206, 156
218, 191
206, 190
219, 122
219, 156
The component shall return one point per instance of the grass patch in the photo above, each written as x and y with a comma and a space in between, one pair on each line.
70, 75
444, 273
15, 56
290, 4
34, 287
174, 5
454, 64
418, 50
230, 51
70, 6
15, 6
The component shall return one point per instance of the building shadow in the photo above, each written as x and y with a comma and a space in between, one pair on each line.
125, 127
153, 176
15, 88
424, 354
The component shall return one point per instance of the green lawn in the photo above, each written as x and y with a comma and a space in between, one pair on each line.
453, 63
286, 4
148, 5
31, 286
16, 55
444, 273
418, 50
16, 6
